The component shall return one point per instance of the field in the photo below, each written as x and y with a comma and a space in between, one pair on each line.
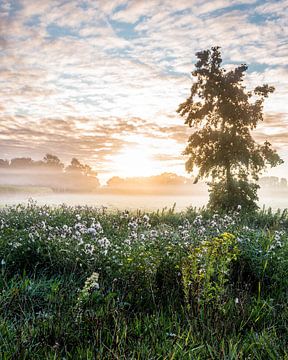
85, 283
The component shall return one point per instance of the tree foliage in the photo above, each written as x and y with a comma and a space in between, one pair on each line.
76, 167
53, 161
222, 147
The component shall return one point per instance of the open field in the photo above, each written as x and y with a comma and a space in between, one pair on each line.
81, 283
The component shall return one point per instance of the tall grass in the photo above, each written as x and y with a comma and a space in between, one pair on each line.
84, 283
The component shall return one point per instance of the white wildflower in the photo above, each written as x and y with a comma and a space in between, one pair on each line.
104, 242
146, 218
91, 231
89, 248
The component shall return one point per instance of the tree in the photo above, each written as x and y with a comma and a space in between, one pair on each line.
74, 167
77, 167
53, 162
24, 162
222, 147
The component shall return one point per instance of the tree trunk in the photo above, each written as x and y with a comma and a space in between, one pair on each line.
228, 179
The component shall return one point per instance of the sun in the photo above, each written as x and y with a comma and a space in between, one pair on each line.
134, 161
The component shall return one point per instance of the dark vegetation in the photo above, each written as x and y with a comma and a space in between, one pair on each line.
222, 148
82, 283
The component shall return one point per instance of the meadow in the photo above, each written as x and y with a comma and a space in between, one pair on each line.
80, 282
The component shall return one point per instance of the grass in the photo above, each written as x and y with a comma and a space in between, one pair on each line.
84, 283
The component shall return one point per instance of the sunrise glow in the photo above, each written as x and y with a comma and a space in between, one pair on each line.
101, 80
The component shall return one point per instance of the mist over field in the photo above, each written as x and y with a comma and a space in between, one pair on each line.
54, 186
153, 199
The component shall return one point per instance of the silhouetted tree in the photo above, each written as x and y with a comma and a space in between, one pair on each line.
222, 147
23, 162
77, 167
88, 171
53, 161
74, 167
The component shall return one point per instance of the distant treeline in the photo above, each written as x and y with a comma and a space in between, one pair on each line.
273, 182
49, 161
165, 183
49, 172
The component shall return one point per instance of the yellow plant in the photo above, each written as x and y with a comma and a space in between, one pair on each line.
205, 271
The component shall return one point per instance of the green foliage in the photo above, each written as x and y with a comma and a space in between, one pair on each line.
223, 148
83, 283
205, 271
240, 193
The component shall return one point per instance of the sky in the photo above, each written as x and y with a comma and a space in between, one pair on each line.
101, 80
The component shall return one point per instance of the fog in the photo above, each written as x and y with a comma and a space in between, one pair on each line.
274, 200
146, 193
46, 177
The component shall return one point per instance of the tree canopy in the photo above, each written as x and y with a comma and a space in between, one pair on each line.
224, 113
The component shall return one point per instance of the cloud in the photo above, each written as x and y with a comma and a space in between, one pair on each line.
135, 10
96, 77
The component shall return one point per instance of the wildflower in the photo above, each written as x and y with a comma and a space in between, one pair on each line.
78, 217
3, 262
213, 224
153, 233
201, 230
133, 235
277, 237
185, 234
98, 226
89, 248
239, 207
236, 300
133, 225
91, 231
104, 243
125, 215
91, 283
198, 220
146, 218
127, 241
78, 226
